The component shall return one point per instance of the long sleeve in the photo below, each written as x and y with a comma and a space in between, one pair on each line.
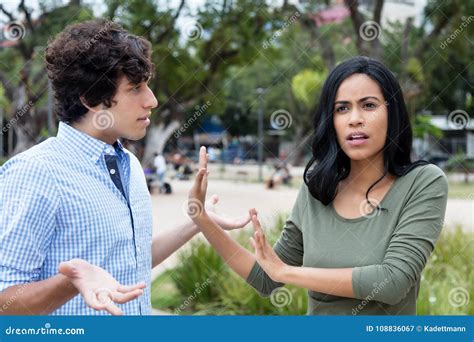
411, 243
289, 248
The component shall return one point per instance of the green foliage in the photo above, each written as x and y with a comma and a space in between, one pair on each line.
422, 125
459, 162
448, 270
306, 85
447, 281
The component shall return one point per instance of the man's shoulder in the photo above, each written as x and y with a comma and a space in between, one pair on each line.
35, 158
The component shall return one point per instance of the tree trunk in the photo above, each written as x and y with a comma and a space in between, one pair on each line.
156, 138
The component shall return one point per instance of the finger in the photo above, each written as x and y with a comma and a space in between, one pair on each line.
214, 199
204, 182
252, 212
199, 177
129, 288
253, 243
258, 243
202, 158
126, 297
113, 309
256, 223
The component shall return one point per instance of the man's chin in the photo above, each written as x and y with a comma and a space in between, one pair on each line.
136, 136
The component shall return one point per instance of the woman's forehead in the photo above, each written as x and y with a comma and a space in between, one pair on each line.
358, 86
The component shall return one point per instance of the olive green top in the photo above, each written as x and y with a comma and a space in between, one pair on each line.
387, 249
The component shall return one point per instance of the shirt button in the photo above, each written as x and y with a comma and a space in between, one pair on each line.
139, 249
107, 150
112, 171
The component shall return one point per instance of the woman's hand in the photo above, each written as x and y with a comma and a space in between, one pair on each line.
197, 194
98, 288
198, 209
264, 253
225, 223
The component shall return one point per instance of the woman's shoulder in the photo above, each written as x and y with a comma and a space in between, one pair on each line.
426, 178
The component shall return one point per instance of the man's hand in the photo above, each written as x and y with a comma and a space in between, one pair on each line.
98, 288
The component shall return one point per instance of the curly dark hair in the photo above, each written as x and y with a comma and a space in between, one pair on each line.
88, 59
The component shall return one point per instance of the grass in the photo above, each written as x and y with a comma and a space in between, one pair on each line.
202, 284
461, 190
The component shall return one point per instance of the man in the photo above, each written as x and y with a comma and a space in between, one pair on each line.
160, 165
78, 202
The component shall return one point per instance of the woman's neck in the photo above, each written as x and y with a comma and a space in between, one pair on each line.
366, 172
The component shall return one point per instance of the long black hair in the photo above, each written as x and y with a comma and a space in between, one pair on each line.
329, 164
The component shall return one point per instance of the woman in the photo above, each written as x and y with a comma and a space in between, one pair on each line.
366, 219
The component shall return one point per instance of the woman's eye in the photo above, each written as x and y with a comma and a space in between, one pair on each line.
341, 109
370, 105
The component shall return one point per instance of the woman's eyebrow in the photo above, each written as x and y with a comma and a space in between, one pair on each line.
367, 98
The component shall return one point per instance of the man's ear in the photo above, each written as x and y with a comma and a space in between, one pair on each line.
84, 103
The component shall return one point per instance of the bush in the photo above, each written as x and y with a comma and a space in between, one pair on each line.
446, 282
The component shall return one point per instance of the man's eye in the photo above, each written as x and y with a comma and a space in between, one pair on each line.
136, 89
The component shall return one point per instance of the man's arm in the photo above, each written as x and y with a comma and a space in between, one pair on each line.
98, 288
167, 242
37, 298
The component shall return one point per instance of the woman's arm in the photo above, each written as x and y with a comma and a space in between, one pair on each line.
335, 281
237, 257
389, 282
169, 241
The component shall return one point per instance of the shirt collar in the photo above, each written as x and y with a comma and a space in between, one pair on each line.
88, 146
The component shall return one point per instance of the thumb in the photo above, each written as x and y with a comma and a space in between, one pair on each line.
68, 269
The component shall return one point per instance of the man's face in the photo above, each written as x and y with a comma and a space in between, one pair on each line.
129, 115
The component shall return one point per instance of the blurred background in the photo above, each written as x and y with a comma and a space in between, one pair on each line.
243, 78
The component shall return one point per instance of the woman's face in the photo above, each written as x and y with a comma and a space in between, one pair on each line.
360, 117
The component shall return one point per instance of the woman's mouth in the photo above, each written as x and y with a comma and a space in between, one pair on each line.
357, 139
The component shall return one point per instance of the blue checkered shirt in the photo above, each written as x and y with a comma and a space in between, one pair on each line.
58, 202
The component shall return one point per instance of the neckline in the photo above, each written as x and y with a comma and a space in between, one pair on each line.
370, 215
